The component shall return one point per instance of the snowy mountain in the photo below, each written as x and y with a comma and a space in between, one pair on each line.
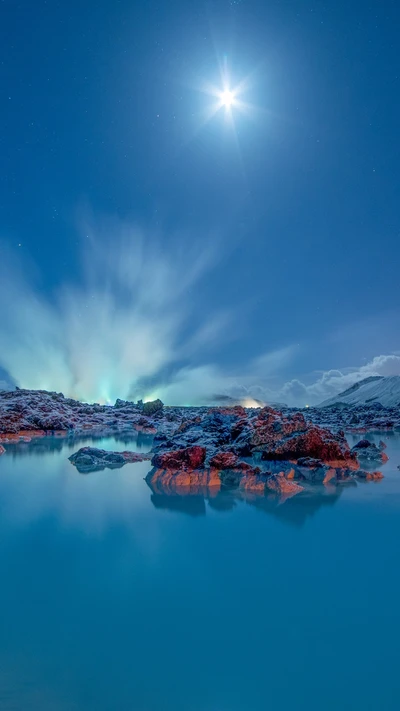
386, 391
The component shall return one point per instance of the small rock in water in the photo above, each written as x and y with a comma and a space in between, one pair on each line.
369, 451
369, 476
91, 459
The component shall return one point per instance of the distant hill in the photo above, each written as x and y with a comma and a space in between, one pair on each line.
377, 388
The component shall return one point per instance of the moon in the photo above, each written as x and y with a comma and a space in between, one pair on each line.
227, 98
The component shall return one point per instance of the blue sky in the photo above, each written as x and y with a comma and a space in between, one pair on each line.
291, 210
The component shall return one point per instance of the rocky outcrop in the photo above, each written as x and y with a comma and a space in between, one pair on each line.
2, 450
355, 418
152, 407
193, 482
39, 411
210, 448
91, 459
264, 451
175, 460
284, 437
227, 435
228, 460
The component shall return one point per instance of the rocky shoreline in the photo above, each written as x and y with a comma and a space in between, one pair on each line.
195, 450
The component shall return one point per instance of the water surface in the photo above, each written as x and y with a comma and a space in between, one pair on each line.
114, 599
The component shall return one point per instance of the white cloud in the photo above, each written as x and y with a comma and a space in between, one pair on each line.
333, 382
208, 383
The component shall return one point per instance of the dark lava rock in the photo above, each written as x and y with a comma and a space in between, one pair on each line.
91, 459
150, 408
356, 418
367, 450
315, 442
368, 476
362, 444
188, 458
228, 460
124, 403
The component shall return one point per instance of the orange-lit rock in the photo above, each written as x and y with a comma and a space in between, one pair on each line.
24, 435
253, 483
187, 458
228, 460
330, 474
316, 443
352, 464
167, 481
369, 476
280, 485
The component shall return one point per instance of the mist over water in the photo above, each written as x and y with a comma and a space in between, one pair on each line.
128, 318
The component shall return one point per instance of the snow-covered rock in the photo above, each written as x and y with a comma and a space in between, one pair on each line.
376, 389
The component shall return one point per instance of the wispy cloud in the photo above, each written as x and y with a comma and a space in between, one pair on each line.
130, 315
132, 326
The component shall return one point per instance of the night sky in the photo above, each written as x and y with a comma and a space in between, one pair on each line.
262, 241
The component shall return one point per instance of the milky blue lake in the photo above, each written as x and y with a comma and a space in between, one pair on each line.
113, 599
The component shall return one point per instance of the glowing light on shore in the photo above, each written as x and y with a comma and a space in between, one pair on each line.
250, 402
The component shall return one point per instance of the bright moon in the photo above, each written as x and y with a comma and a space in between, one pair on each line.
227, 98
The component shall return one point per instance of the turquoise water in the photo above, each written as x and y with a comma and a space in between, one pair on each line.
113, 599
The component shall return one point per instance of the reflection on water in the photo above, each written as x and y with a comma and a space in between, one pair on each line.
36, 477
138, 442
295, 510
113, 598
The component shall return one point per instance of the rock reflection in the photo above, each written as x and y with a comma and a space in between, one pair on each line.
291, 510
39, 446
296, 511
194, 505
